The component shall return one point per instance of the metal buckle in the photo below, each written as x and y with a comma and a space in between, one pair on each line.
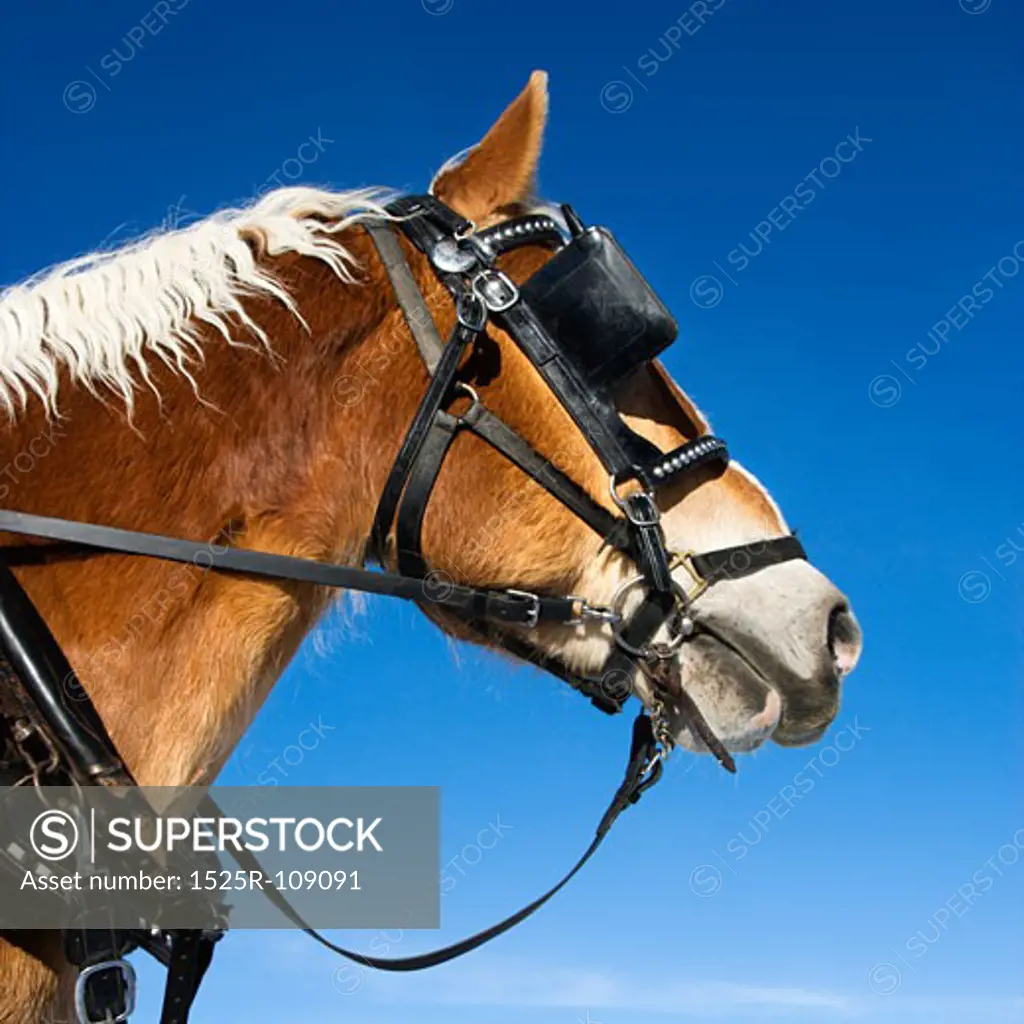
471, 302
586, 612
625, 505
533, 615
495, 290
81, 986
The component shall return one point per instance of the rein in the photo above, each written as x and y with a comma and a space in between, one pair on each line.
584, 320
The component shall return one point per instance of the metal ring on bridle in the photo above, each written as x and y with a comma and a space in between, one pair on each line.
470, 393
700, 583
654, 650
626, 506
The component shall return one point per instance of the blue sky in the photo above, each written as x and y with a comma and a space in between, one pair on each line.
830, 350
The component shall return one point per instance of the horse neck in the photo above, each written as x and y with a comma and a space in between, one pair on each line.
176, 658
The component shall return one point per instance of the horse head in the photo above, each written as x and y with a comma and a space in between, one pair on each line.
769, 649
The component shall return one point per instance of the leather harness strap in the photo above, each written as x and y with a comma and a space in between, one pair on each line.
191, 951
418, 488
642, 770
436, 394
482, 422
76, 538
417, 316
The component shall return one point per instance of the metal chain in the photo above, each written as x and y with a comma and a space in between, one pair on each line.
659, 722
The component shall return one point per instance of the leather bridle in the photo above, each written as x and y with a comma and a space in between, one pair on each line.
466, 261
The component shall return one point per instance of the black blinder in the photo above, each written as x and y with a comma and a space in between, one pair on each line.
606, 317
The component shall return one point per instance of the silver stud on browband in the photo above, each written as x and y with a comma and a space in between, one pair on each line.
695, 451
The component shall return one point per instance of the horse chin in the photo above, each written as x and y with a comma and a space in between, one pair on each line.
742, 708
799, 737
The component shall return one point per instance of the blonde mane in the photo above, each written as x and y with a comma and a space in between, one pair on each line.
103, 315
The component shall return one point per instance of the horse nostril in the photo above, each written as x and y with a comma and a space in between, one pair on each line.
845, 640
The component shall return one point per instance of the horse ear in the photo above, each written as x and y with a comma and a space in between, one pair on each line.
500, 169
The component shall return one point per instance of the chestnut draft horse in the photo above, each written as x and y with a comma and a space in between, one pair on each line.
211, 382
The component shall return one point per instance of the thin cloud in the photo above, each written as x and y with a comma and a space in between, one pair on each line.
515, 985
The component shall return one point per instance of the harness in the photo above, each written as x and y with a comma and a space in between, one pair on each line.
585, 320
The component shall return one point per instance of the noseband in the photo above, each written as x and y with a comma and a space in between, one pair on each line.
585, 320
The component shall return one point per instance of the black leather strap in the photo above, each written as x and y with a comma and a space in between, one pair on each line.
529, 334
608, 692
542, 350
532, 229
649, 542
653, 612
622, 451
472, 602
642, 771
744, 559
190, 955
425, 470
426, 218
438, 390
41, 667
500, 436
